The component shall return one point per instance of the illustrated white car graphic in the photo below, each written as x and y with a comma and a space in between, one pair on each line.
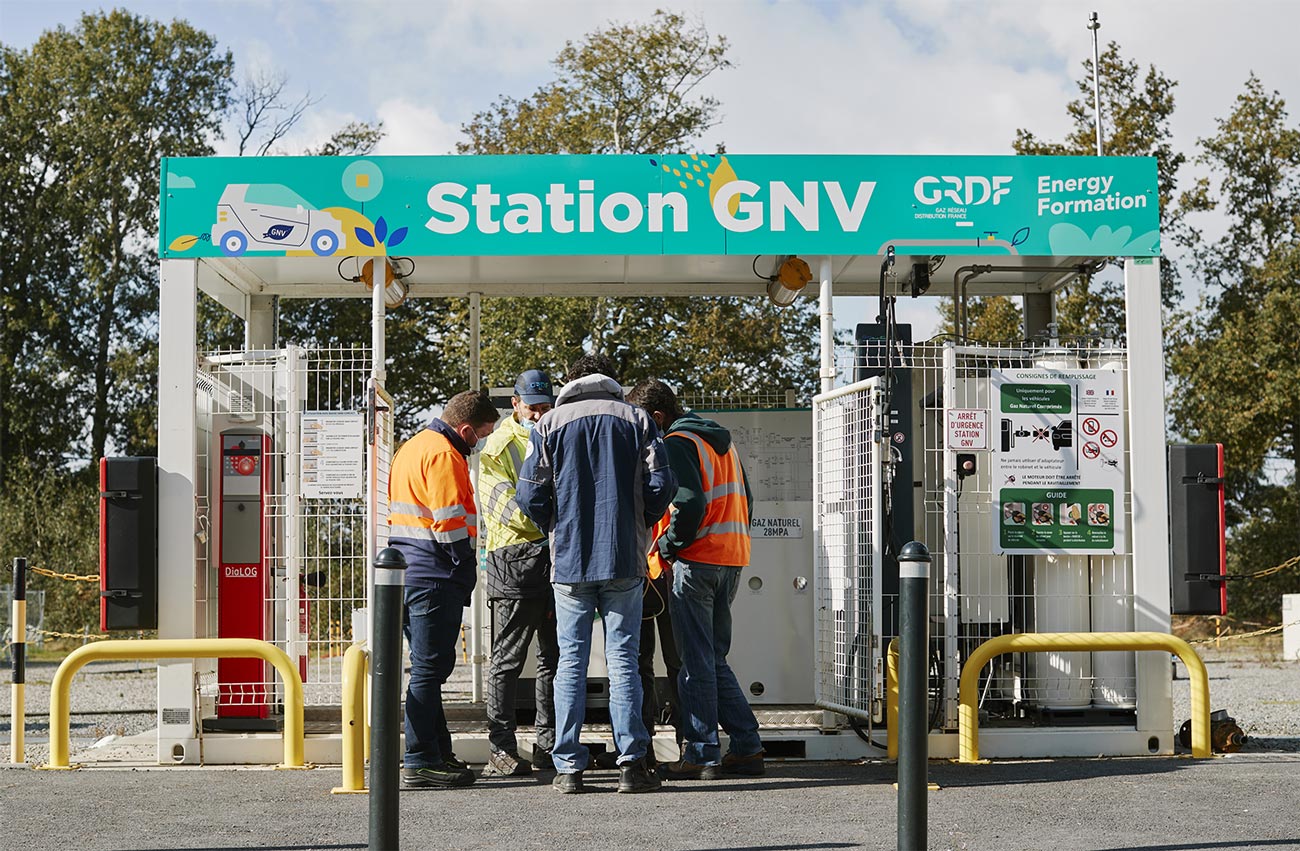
259, 216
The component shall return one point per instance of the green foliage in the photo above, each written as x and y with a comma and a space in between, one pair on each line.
989, 319
1237, 359
50, 519
628, 88
1135, 118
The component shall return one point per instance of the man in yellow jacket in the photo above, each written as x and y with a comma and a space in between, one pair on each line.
518, 564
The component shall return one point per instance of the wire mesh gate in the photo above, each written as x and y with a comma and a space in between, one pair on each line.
314, 544
979, 589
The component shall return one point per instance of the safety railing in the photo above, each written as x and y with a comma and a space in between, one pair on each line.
1041, 642
183, 648
356, 727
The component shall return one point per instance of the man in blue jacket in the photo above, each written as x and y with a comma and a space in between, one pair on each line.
596, 478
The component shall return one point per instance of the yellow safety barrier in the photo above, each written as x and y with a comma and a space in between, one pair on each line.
968, 724
180, 648
356, 726
891, 700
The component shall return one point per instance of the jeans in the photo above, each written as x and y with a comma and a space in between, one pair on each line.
432, 625
655, 615
515, 622
619, 603
707, 689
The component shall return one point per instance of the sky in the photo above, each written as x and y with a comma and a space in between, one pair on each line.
878, 77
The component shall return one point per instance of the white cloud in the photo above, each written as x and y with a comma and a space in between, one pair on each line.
414, 130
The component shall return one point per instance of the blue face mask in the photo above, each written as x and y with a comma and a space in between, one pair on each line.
528, 425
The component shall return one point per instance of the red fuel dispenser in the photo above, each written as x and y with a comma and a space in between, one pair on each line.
243, 580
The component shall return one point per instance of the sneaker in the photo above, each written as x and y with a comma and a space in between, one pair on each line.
568, 784
506, 764
684, 770
634, 778
542, 759
748, 766
436, 777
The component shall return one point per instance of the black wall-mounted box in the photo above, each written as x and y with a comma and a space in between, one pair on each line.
128, 543
1197, 530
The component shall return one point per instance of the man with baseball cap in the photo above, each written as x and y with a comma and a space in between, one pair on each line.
519, 585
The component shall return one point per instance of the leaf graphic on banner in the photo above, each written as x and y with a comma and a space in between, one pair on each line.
183, 243
364, 237
396, 237
381, 229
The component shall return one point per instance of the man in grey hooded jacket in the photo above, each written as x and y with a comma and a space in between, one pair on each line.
596, 478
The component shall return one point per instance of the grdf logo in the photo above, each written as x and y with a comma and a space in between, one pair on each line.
967, 191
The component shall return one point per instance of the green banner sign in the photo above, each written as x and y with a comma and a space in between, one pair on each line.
658, 204
1068, 519
1035, 398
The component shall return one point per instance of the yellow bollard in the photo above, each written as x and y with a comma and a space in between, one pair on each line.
356, 729
891, 700
968, 748
180, 648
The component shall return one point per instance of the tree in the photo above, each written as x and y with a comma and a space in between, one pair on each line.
265, 115
989, 319
1236, 361
127, 92
633, 88
1136, 110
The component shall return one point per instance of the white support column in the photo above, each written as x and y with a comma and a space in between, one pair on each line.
827, 303
478, 600
259, 322
1148, 469
177, 435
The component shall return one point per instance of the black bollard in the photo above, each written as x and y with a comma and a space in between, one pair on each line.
386, 700
18, 649
913, 712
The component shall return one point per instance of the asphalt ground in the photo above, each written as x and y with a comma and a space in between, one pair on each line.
1139, 804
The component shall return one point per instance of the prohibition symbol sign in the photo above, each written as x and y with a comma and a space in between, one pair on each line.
1090, 425
1091, 450
1108, 438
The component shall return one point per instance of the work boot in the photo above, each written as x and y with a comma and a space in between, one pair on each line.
456, 762
683, 769
747, 766
634, 777
542, 759
441, 776
568, 784
605, 759
506, 764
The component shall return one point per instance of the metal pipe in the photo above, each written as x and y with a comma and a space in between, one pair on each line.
826, 301
1095, 25
18, 654
968, 748
177, 648
913, 690
379, 357
354, 721
478, 603
975, 270
386, 699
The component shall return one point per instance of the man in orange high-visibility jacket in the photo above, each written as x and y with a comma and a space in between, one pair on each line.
433, 521
704, 539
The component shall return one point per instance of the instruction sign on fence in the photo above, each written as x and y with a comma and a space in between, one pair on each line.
333, 454
1058, 467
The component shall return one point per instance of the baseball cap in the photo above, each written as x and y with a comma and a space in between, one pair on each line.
533, 387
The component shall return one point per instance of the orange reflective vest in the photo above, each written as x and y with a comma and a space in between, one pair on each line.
723, 535
431, 512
